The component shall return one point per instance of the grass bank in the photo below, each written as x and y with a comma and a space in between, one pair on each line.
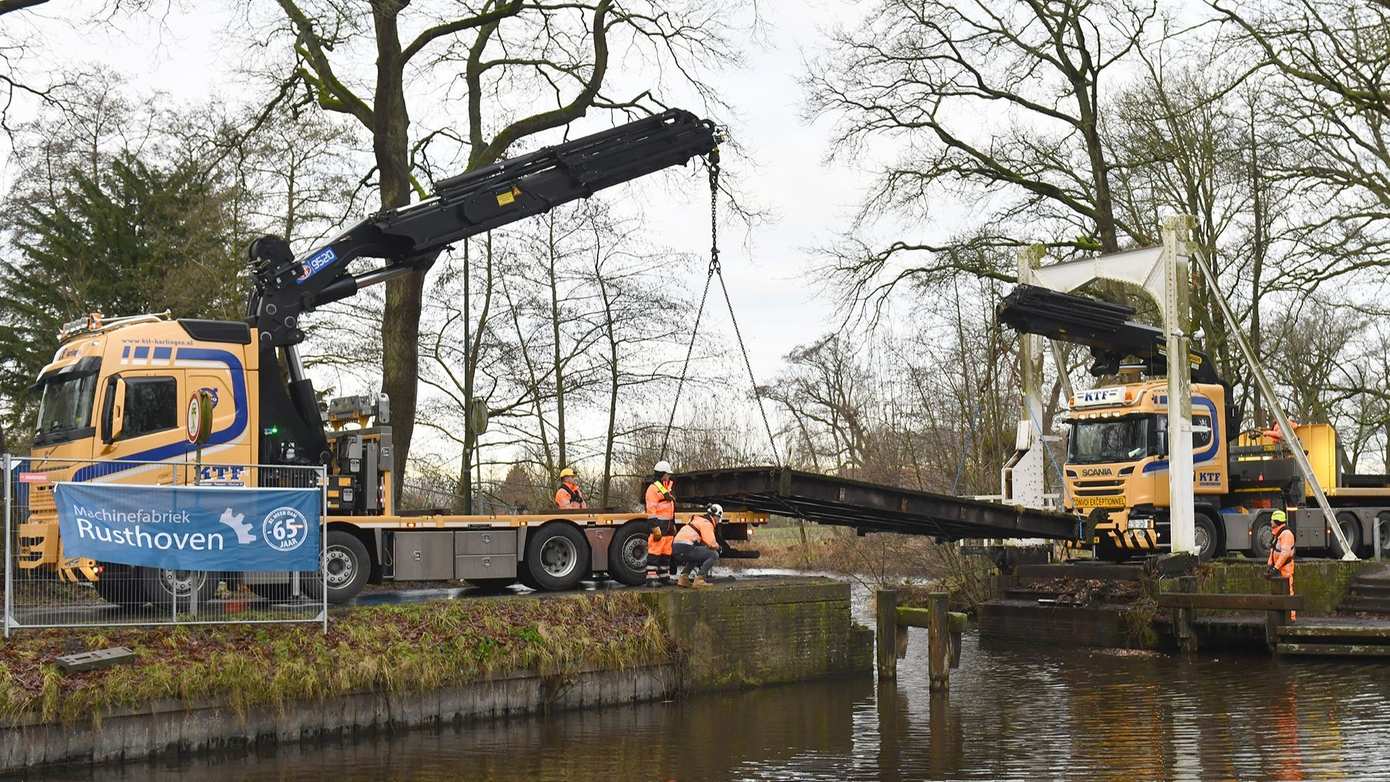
406, 648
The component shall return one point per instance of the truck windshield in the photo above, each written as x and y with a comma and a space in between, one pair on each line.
66, 407
1109, 440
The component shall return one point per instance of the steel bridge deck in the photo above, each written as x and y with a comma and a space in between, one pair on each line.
869, 507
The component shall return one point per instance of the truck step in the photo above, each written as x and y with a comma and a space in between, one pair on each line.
1337, 650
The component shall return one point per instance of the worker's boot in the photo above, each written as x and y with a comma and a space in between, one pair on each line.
700, 583
683, 582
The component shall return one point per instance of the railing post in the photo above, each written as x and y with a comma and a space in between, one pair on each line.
9, 536
939, 641
886, 612
323, 546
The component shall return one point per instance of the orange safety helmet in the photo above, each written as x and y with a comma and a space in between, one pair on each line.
568, 472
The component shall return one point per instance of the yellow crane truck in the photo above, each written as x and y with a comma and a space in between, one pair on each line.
113, 398
1116, 468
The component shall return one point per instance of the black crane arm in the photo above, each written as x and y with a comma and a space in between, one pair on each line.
412, 237
1104, 327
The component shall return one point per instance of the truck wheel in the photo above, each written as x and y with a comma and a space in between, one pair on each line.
627, 554
1261, 538
347, 565
119, 586
1351, 527
162, 586
1383, 521
557, 557
1205, 536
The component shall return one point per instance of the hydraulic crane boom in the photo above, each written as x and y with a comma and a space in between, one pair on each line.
412, 237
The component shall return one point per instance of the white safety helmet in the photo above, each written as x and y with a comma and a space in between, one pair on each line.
663, 466
714, 509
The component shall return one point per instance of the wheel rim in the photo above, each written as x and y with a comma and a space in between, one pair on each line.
1202, 539
181, 583
559, 556
1264, 537
338, 567
635, 553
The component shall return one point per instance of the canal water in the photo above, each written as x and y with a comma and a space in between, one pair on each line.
1012, 713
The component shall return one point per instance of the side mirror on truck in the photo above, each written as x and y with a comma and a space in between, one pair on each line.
112, 400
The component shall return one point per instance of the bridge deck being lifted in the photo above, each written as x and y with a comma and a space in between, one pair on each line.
869, 507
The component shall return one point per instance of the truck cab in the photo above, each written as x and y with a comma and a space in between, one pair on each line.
1116, 471
114, 408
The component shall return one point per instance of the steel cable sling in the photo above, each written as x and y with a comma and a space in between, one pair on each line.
715, 270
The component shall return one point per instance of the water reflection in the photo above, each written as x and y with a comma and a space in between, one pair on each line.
1012, 713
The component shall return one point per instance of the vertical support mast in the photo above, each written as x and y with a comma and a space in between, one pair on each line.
1176, 230
1267, 391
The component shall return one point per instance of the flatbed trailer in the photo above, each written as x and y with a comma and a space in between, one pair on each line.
871, 507
545, 551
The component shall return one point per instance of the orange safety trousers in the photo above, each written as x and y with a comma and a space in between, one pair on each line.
1281, 557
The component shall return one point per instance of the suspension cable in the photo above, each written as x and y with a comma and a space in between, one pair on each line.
716, 270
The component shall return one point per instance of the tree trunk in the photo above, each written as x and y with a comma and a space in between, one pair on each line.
613, 384
400, 325
555, 336
465, 489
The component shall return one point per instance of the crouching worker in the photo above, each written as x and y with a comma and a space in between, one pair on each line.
697, 548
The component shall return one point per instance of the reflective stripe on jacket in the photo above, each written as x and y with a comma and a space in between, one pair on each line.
1281, 553
661, 503
567, 498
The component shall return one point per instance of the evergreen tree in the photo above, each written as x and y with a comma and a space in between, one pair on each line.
133, 237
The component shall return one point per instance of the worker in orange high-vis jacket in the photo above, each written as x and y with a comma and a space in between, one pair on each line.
569, 496
697, 548
661, 507
1281, 553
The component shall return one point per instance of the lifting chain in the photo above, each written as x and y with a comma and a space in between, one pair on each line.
715, 270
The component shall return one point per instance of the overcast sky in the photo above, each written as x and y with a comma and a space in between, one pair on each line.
768, 268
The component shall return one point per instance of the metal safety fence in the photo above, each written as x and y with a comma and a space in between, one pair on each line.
46, 586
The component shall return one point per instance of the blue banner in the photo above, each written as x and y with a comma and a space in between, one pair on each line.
191, 527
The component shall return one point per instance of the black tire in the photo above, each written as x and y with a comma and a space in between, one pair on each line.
118, 585
348, 565
1262, 538
491, 584
1205, 536
1383, 521
625, 565
162, 586
557, 557
1351, 527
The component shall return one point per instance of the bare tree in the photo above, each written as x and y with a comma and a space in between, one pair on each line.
503, 50
923, 74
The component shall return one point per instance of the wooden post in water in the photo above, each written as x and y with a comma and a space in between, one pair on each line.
1275, 619
939, 641
886, 612
1182, 617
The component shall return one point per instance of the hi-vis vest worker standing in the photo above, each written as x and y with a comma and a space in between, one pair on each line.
568, 496
661, 505
1281, 553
